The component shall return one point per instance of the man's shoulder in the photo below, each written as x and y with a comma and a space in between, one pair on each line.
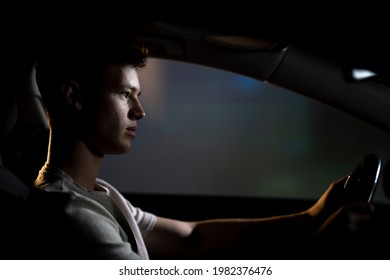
51, 178
103, 184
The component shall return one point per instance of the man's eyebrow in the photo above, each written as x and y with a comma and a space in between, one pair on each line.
131, 88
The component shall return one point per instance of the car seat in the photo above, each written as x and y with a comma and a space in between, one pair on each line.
25, 149
13, 191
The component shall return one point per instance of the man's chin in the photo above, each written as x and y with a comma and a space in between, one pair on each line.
121, 150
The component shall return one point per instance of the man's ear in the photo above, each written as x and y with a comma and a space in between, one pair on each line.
72, 94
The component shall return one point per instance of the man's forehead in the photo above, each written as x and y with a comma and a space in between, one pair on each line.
122, 75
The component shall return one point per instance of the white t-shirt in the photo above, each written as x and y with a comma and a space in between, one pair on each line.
106, 219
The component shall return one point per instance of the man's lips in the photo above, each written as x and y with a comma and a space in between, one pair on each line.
131, 131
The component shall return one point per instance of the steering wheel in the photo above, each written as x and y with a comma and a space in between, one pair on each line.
363, 180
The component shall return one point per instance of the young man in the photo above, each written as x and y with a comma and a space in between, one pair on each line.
94, 109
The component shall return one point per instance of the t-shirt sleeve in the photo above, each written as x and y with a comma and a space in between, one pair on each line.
145, 220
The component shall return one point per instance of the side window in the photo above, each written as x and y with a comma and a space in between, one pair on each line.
208, 131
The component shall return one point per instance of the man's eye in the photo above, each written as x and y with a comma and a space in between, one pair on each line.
125, 94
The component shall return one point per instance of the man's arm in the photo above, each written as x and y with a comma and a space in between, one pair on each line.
228, 237
174, 238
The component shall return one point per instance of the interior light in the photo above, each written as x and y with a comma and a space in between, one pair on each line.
362, 74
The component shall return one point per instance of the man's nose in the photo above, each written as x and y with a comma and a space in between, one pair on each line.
140, 115
137, 112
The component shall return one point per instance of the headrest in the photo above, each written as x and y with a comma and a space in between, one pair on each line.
8, 115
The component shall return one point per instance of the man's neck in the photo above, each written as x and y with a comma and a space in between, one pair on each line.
75, 158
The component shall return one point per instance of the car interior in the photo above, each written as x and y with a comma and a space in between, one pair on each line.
312, 66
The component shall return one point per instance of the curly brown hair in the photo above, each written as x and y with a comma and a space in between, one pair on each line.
83, 62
